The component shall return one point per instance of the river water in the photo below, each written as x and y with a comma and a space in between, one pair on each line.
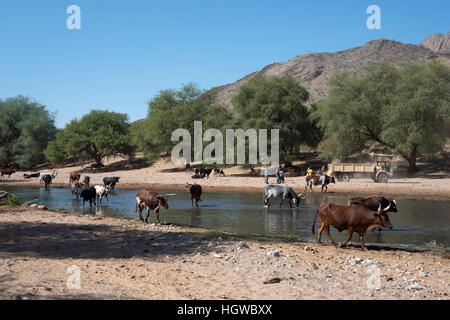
418, 222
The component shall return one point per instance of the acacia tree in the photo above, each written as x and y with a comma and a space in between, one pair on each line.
277, 103
99, 134
173, 109
406, 110
25, 129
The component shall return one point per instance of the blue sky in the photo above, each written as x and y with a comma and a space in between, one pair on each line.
127, 51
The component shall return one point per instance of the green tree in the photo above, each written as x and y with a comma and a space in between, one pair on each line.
25, 129
99, 134
277, 103
173, 109
406, 110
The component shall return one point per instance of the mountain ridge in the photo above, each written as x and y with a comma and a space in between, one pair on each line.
313, 70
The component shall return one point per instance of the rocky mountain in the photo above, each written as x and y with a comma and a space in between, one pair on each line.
439, 43
314, 70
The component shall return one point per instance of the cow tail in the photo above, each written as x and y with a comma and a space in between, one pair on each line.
314, 223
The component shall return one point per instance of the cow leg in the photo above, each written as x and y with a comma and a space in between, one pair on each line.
192, 202
282, 202
319, 232
290, 203
157, 216
361, 239
349, 237
148, 213
141, 208
196, 202
327, 231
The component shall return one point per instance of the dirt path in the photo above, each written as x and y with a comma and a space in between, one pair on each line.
125, 259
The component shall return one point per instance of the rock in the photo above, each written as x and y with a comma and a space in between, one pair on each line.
308, 248
273, 280
354, 261
42, 207
220, 238
368, 261
17, 297
218, 256
186, 260
243, 244
314, 266
423, 274
415, 286
275, 253
34, 205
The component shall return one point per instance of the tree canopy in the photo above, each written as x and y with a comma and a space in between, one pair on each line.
174, 109
99, 134
277, 103
406, 110
25, 129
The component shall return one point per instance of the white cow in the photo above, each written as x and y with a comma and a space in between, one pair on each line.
102, 192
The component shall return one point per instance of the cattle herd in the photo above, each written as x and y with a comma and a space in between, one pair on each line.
359, 215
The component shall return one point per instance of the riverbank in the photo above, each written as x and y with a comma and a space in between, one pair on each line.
151, 178
126, 259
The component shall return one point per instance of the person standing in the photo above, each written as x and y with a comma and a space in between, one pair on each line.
266, 175
281, 173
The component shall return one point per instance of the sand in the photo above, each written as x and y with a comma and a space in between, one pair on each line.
126, 259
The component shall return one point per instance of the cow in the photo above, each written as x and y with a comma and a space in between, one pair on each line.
195, 191
88, 194
74, 176
316, 180
198, 176
7, 172
47, 180
31, 175
283, 193
76, 188
111, 181
51, 174
219, 172
352, 218
86, 181
102, 192
203, 172
373, 203
151, 201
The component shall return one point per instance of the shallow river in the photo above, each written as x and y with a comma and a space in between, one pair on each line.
418, 222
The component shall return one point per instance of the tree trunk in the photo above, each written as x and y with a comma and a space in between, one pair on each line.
98, 161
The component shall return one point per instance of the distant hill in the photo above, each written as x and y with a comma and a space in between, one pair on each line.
314, 70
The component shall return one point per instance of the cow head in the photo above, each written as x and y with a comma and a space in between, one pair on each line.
393, 205
382, 219
163, 201
298, 198
332, 180
116, 179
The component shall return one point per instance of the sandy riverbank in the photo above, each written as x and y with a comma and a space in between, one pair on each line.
164, 175
125, 259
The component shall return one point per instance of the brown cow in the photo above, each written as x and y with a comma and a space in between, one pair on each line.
151, 201
7, 172
352, 218
74, 176
195, 191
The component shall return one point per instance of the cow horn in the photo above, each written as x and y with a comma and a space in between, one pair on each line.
379, 208
170, 194
387, 208
395, 202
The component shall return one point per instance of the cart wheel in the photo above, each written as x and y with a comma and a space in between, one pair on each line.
345, 177
383, 177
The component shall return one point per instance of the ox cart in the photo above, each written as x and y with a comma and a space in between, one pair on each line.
380, 170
